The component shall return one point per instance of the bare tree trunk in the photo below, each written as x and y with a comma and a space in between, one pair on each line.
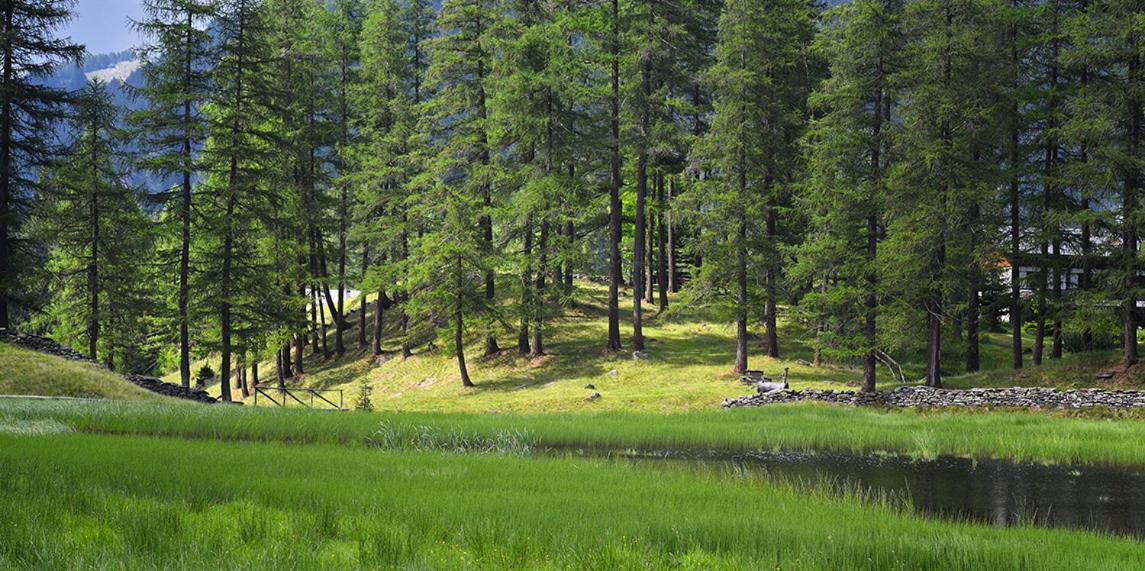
1129, 213
650, 241
299, 349
570, 235
934, 345
769, 316
538, 348
362, 299
526, 288
93, 264
741, 289
614, 205
1015, 213
972, 322
377, 340
638, 252
315, 304
673, 279
1056, 329
459, 328
662, 245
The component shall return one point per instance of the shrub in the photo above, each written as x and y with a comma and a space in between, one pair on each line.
205, 374
364, 402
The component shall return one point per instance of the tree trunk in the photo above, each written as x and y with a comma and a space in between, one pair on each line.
486, 219
741, 290
614, 206
225, 286
362, 300
650, 242
254, 373
459, 328
972, 322
93, 263
1056, 328
934, 345
870, 338
769, 316
526, 289
570, 236
673, 279
315, 304
641, 223
7, 116
340, 324
1015, 213
377, 338
1129, 212
299, 349
662, 245
538, 348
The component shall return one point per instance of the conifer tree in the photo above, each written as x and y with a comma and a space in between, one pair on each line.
845, 187
97, 234
1106, 118
751, 146
175, 85
29, 50
944, 169
453, 253
241, 147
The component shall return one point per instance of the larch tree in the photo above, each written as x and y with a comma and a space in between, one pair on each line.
748, 145
240, 148
944, 169
847, 150
459, 176
97, 233
29, 50
1106, 117
170, 125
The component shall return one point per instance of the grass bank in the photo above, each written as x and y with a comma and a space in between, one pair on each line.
80, 501
1015, 435
24, 372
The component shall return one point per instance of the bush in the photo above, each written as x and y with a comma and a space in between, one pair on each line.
364, 402
205, 374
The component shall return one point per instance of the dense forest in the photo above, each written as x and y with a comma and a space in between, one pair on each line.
890, 175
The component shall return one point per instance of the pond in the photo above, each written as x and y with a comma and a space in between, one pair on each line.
991, 491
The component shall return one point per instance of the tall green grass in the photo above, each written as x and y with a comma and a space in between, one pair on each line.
95, 501
998, 434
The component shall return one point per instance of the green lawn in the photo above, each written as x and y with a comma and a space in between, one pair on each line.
95, 501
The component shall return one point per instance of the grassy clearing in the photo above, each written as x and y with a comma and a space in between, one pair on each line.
689, 368
999, 434
79, 501
24, 372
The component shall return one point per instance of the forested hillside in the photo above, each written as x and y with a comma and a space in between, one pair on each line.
868, 180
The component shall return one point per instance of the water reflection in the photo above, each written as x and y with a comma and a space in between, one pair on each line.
992, 491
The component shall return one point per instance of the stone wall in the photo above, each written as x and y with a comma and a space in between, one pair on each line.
928, 397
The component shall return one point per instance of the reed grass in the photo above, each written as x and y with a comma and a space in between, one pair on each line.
1014, 435
106, 501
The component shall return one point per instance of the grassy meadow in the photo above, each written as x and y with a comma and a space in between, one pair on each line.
443, 477
96, 501
689, 367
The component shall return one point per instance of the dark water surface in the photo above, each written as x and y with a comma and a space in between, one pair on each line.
992, 491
